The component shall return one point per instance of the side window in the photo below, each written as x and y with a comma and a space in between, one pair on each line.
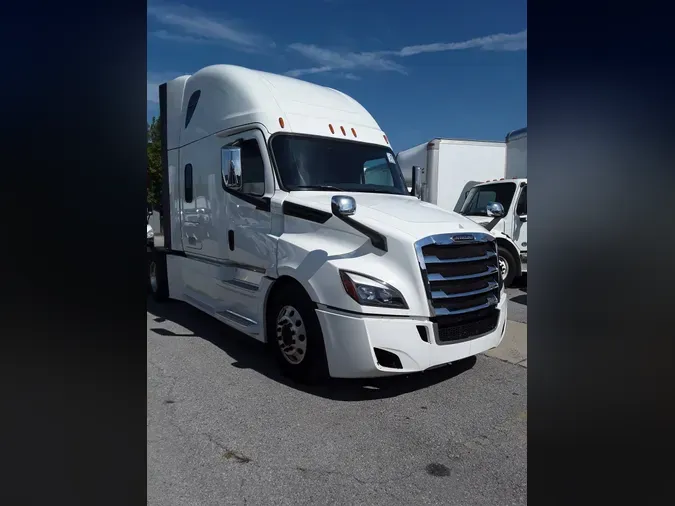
188, 182
243, 168
521, 209
191, 106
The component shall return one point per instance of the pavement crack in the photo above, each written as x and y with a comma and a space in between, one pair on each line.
228, 453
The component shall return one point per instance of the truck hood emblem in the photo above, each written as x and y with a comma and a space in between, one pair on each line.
461, 238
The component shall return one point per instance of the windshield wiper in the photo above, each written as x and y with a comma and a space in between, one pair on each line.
319, 187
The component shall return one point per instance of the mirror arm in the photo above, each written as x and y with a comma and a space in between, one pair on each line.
377, 240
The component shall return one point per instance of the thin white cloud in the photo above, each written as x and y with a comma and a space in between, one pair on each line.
496, 42
187, 24
328, 60
163, 34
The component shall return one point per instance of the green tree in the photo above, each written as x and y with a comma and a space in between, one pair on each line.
154, 184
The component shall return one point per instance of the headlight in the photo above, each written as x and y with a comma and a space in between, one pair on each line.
367, 291
151, 234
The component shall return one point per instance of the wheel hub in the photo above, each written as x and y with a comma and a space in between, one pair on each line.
291, 335
503, 267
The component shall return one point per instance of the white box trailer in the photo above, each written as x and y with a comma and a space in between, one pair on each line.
287, 218
451, 167
516, 154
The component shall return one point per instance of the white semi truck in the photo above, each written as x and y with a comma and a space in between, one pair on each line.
313, 243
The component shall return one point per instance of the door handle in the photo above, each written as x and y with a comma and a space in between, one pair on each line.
230, 239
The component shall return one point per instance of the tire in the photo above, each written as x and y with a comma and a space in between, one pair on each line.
507, 263
158, 283
295, 338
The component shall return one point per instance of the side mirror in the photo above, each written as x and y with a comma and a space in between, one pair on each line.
230, 167
343, 205
417, 181
495, 210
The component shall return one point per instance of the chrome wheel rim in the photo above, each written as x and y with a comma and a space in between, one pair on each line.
503, 267
153, 276
291, 335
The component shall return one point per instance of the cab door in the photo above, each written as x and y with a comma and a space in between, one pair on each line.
248, 182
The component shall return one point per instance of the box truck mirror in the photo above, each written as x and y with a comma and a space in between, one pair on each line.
417, 181
343, 205
495, 210
230, 166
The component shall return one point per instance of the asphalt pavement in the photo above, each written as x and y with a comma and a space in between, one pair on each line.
518, 300
224, 428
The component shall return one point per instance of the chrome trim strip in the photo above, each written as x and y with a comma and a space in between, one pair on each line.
244, 285
440, 294
439, 277
441, 311
225, 263
237, 318
435, 260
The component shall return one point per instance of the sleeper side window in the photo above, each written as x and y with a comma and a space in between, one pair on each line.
188, 182
192, 105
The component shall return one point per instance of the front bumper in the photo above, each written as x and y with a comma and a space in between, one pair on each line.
351, 341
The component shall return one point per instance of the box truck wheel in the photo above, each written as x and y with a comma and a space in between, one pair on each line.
294, 334
507, 266
158, 283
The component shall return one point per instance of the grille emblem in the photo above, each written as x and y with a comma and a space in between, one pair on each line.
458, 238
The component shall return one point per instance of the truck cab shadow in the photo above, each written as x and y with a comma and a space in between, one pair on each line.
251, 354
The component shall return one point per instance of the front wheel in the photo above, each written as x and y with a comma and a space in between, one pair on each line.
294, 334
158, 283
507, 266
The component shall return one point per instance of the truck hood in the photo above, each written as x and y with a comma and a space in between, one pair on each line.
481, 220
384, 212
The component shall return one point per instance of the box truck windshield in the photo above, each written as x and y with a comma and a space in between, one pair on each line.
315, 163
479, 196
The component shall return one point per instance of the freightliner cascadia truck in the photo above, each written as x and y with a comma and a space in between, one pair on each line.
287, 218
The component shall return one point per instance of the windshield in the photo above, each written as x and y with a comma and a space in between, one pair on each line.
479, 196
314, 163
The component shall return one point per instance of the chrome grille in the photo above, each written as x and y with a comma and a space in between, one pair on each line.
461, 277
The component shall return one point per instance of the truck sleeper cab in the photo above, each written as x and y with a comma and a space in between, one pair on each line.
288, 218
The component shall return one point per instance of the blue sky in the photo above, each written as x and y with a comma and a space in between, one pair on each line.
437, 68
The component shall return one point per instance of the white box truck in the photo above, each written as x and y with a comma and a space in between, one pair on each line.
450, 167
306, 236
511, 192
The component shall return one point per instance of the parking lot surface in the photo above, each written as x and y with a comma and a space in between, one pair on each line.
224, 428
